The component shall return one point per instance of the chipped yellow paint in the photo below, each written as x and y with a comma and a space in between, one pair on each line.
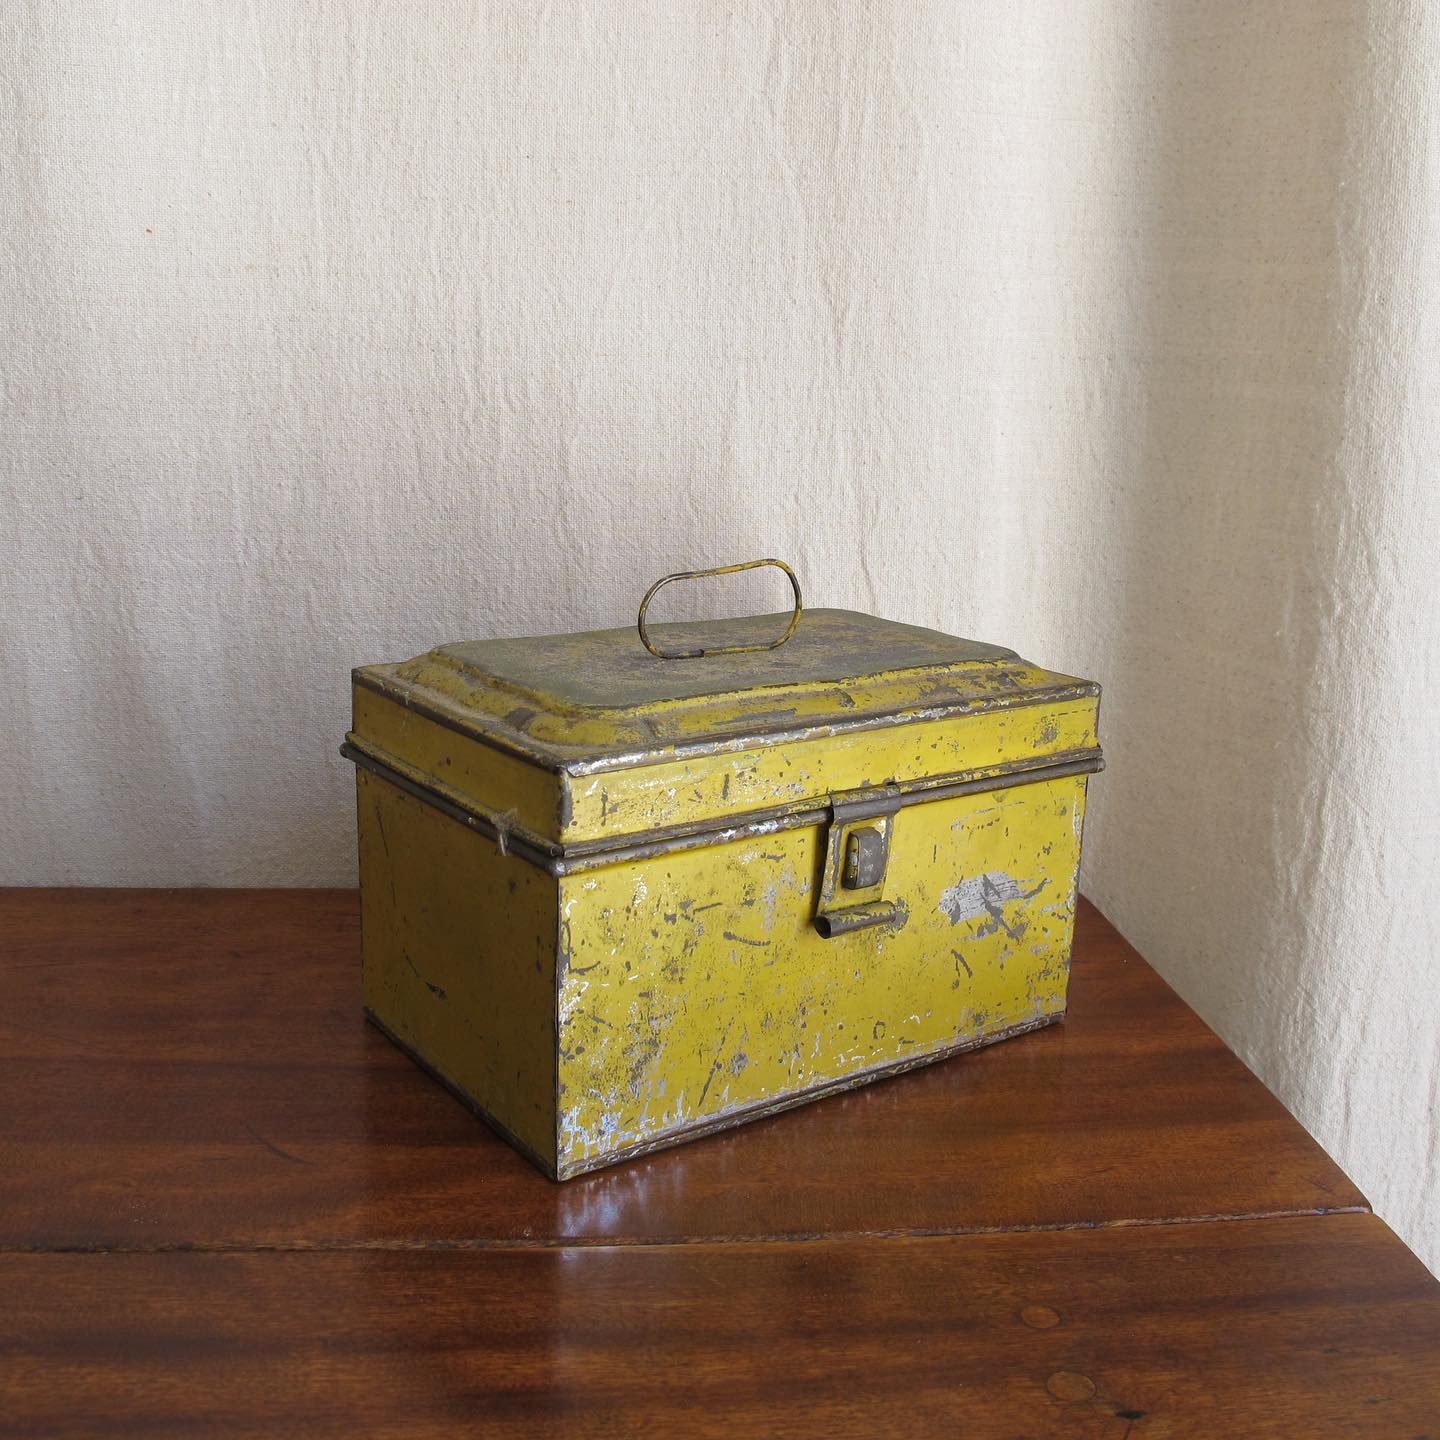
715, 785
594, 1001
693, 748
693, 986
458, 766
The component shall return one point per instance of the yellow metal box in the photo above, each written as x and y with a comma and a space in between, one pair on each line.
618, 891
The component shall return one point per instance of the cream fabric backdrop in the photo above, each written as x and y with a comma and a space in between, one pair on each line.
1105, 330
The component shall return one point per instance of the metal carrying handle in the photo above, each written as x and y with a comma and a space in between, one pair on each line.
659, 585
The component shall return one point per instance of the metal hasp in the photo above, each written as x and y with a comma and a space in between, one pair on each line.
857, 850
865, 854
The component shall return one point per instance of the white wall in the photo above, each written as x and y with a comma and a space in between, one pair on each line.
1105, 331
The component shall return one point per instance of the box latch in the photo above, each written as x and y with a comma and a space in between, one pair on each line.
857, 852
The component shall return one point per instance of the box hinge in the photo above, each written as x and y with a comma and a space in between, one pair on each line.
857, 854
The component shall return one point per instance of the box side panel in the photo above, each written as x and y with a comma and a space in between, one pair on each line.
458, 766
459, 958
711, 787
693, 985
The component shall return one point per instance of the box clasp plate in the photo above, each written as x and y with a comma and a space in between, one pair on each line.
857, 851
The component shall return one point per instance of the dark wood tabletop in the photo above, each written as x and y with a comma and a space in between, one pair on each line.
228, 1207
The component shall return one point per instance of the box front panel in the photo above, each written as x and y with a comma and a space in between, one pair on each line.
694, 986
459, 958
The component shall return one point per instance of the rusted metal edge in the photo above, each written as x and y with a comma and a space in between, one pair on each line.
588, 854
592, 854
546, 1167
543, 757
809, 812
681, 1134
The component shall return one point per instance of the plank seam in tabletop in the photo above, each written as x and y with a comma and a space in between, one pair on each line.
1282, 1329
664, 1242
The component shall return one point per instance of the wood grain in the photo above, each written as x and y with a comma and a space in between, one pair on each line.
281, 1227
191, 1069
1303, 1327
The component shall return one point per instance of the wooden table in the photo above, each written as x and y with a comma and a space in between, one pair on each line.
227, 1207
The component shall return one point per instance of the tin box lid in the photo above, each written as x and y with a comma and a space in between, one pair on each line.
599, 699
